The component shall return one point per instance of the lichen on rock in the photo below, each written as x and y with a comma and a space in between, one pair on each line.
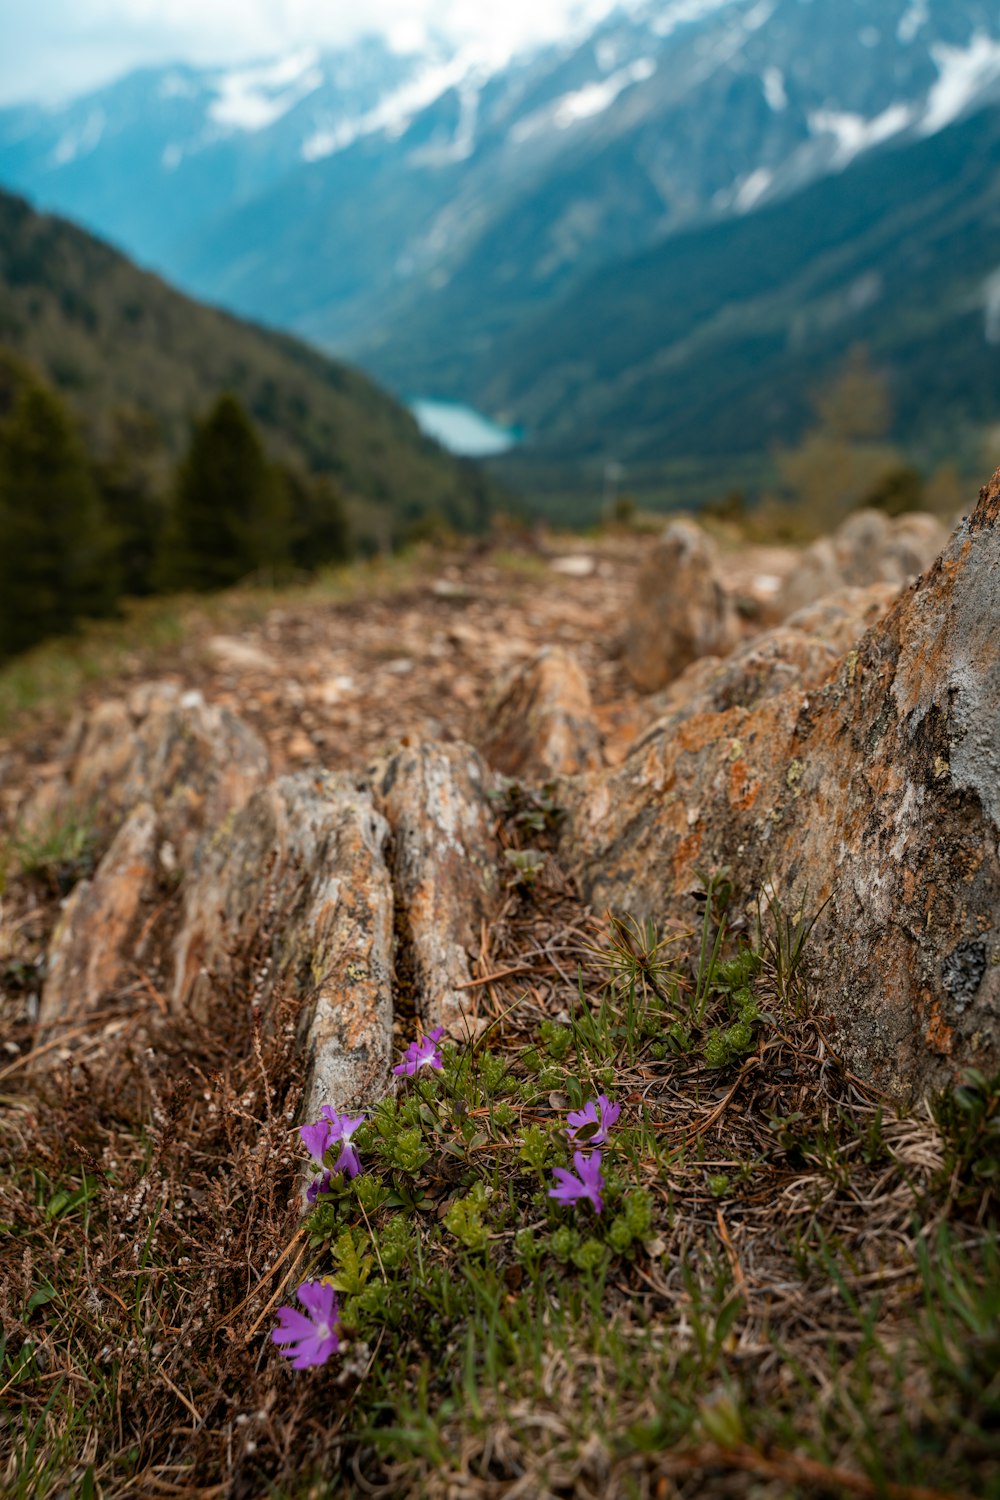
892, 819
301, 872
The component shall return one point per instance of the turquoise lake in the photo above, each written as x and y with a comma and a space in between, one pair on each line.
463, 430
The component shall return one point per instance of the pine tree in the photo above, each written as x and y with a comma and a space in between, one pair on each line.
320, 530
56, 548
130, 482
230, 515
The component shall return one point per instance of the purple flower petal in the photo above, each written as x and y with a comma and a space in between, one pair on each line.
292, 1325
314, 1338
348, 1162
588, 1184
316, 1139
584, 1122
342, 1127
320, 1299
591, 1124
421, 1054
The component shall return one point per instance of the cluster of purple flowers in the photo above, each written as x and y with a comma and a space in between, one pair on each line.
589, 1125
331, 1129
310, 1338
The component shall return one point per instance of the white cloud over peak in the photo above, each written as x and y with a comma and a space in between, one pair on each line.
64, 47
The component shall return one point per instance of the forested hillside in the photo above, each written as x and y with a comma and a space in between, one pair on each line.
124, 348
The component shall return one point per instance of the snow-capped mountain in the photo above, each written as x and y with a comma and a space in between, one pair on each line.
423, 211
153, 159
315, 190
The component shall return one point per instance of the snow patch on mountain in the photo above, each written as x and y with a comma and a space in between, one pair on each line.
463, 143
963, 74
393, 113
913, 20
81, 139
752, 189
774, 89
684, 13
854, 134
583, 103
176, 86
253, 98
595, 98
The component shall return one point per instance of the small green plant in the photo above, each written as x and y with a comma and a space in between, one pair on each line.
725, 1044
527, 809
968, 1117
527, 865
781, 939
464, 1218
59, 852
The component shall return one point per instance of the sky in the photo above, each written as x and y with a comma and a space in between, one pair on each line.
52, 49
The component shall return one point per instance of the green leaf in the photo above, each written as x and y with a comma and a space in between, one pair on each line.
40, 1296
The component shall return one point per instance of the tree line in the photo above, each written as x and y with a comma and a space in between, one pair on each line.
77, 533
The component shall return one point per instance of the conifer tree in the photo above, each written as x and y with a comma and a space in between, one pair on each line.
130, 482
230, 515
320, 530
56, 548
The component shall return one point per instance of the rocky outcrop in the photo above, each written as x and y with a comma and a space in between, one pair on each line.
799, 654
443, 857
876, 793
299, 878
194, 763
868, 547
681, 610
761, 668
841, 618
540, 723
91, 955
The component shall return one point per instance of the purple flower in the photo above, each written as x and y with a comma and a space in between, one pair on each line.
313, 1338
423, 1054
348, 1162
317, 1186
316, 1139
342, 1127
590, 1125
589, 1183
331, 1130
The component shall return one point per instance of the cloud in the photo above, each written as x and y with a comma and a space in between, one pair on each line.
62, 47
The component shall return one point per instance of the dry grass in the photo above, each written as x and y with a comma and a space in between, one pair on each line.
809, 1309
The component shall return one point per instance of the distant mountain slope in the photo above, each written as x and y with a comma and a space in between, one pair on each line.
112, 337
201, 141
711, 345
363, 198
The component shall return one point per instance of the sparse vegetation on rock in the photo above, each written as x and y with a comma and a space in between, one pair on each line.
585, 1200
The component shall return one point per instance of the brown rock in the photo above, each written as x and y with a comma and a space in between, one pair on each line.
916, 540
444, 866
817, 574
761, 668
90, 955
541, 722
194, 763
841, 618
867, 548
877, 793
681, 610
301, 874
